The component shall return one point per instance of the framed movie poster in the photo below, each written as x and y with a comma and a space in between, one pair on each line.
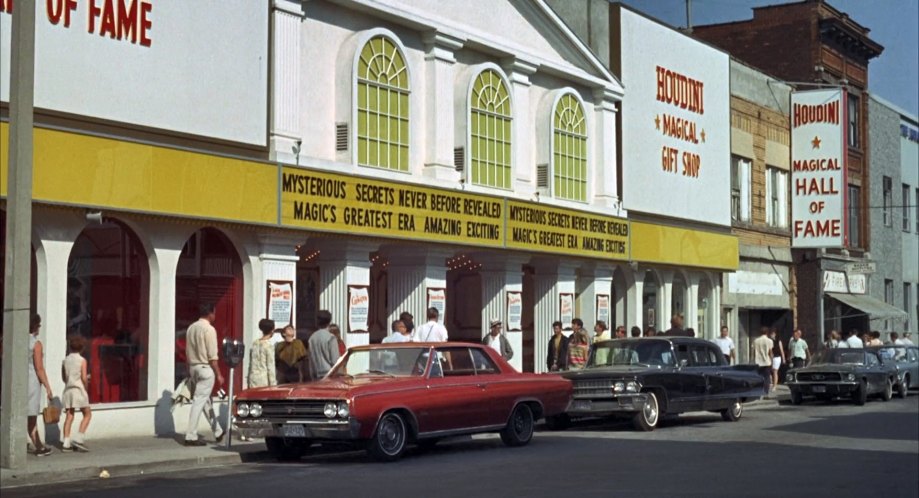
358, 308
280, 302
437, 298
566, 309
603, 309
514, 311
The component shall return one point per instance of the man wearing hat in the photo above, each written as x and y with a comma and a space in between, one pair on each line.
497, 341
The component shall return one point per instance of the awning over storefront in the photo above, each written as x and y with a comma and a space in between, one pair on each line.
875, 308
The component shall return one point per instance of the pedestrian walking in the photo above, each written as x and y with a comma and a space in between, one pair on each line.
577, 325
204, 373
75, 397
432, 331
290, 358
619, 333
496, 340
831, 341
650, 332
875, 338
557, 357
778, 356
798, 350
578, 350
408, 320
907, 339
261, 357
726, 344
38, 378
602, 334
676, 327
323, 347
636, 331
762, 356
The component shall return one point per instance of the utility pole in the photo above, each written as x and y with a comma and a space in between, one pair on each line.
689, 16
18, 260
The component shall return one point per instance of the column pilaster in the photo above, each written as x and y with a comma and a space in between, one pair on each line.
411, 273
593, 279
635, 313
522, 133
286, 16
500, 275
550, 280
440, 69
604, 168
343, 263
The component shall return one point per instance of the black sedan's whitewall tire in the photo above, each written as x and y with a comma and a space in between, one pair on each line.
519, 429
733, 412
646, 419
391, 438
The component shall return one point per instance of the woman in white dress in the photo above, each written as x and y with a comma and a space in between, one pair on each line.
75, 396
261, 357
37, 379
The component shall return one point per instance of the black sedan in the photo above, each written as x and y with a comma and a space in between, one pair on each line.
853, 373
646, 378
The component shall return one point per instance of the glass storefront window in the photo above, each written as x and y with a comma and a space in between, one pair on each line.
107, 303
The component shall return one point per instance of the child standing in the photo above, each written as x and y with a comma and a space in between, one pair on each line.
75, 396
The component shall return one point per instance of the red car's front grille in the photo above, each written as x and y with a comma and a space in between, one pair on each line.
292, 409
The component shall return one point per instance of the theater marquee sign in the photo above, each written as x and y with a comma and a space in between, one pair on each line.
818, 169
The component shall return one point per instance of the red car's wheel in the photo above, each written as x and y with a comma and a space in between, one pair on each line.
389, 442
519, 429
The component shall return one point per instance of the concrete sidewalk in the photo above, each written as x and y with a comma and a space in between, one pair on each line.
129, 456
781, 395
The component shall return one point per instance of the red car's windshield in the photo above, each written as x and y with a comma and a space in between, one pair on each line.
394, 362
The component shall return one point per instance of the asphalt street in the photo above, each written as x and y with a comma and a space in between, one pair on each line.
819, 449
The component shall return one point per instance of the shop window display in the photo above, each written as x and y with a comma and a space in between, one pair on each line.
107, 303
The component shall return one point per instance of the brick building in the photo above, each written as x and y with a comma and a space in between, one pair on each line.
762, 290
812, 42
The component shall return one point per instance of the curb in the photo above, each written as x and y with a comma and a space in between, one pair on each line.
16, 479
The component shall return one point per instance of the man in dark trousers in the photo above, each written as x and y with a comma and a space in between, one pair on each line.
557, 358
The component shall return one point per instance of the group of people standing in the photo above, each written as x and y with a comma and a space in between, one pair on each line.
769, 354
857, 339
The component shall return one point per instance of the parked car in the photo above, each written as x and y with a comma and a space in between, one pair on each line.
643, 379
386, 396
856, 373
906, 360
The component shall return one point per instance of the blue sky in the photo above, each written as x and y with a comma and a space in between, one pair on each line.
893, 76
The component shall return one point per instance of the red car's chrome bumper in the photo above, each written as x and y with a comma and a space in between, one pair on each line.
311, 429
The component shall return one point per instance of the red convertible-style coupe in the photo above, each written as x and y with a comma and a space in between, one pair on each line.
386, 396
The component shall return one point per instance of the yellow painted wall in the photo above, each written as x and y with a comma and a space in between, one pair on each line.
70, 168
653, 243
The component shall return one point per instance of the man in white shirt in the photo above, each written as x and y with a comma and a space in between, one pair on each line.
853, 341
726, 344
907, 339
431, 331
399, 333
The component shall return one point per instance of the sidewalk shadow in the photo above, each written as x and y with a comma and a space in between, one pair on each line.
163, 424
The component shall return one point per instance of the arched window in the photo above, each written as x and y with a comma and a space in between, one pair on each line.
108, 305
382, 106
569, 150
490, 131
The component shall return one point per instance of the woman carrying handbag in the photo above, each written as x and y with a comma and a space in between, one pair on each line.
37, 379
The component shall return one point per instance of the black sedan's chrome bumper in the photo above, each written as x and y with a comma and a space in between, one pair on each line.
615, 404
308, 429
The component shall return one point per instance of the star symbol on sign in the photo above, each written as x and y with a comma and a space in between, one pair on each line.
703, 135
657, 122
816, 142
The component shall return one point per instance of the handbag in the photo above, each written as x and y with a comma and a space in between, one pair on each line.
51, 414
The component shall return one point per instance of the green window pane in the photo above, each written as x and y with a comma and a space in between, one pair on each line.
383, 106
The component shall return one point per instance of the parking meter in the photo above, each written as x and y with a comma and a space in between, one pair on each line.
233, 352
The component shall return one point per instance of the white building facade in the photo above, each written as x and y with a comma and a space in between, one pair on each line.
364, 157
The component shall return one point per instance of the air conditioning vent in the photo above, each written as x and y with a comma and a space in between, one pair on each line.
542, 176
459, 158
341, 137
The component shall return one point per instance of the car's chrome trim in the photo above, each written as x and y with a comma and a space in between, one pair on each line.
459, 432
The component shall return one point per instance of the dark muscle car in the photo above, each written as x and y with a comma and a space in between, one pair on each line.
386, 396
855, 373
645, 378
906, 360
